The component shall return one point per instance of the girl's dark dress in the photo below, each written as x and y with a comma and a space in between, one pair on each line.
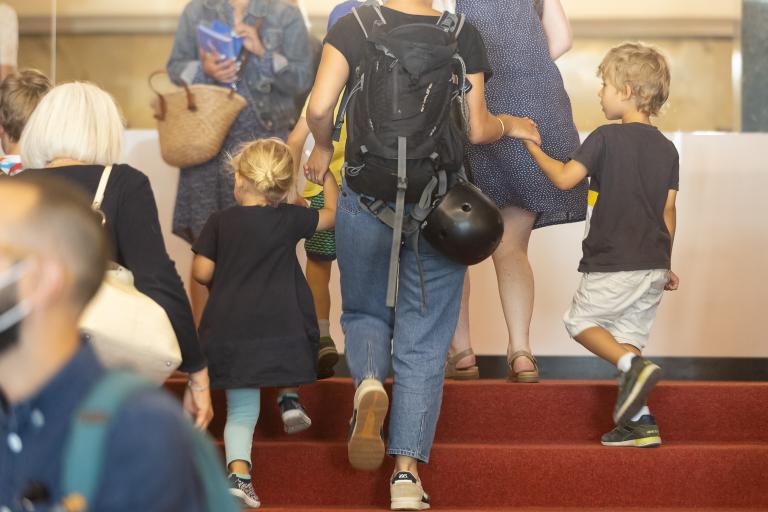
259, 327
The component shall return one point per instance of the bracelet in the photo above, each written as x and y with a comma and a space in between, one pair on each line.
503, 128
197, 389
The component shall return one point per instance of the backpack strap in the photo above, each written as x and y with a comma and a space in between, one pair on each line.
211, 477
397, 229
452, 23
85, 449
376, 8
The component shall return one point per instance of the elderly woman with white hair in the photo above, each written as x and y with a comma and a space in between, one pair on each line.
75, 132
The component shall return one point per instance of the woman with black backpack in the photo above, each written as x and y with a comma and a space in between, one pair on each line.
414, 80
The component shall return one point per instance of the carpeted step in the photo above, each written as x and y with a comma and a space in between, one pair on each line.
518, 509
317, 474
550, 411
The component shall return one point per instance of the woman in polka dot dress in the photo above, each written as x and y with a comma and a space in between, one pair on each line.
523, 39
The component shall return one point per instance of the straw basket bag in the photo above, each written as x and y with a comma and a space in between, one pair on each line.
194, 120
126, 328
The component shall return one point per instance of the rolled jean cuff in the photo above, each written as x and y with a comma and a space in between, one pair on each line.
394, 452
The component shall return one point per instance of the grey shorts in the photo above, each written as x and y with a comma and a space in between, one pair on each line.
623, 303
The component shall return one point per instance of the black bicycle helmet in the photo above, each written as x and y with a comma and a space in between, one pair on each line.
465, 226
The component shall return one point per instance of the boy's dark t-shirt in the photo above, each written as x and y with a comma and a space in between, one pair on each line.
632, 168
347, 36
259, 326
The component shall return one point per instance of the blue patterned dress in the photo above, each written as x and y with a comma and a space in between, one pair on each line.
526, 82
270, 86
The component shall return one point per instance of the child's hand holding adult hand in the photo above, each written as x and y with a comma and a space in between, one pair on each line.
523, 128
673, 283
318, 163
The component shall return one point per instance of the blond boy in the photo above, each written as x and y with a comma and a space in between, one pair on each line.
19, 95
634, 175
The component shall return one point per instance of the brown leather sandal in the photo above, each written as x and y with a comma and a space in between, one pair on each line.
451, 372
527, 376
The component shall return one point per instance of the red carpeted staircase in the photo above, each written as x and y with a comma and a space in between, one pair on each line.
529, 447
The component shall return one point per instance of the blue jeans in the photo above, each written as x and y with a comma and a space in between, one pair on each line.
243, 407
414, 338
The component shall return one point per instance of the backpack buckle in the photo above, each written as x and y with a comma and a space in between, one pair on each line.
402, 183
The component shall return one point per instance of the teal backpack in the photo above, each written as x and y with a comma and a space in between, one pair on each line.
85, 449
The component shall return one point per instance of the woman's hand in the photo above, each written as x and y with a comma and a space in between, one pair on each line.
197, 399
251, 39
217, 67
522, 128
318, 163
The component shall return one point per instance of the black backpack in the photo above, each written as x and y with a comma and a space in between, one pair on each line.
406, 119
408, 85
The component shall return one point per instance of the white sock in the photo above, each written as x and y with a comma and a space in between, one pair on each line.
642, 412
325, 328
625, 362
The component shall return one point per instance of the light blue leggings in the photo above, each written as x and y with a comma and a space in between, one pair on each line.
243, 407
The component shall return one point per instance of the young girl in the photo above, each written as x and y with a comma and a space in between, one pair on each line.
259, 326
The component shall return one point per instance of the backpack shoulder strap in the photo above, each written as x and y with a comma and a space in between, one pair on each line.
377, 10
452, 23
209, 473
85, 448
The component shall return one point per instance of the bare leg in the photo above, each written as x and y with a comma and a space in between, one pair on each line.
318, 277
515, 278
403, 463
239, 466
601, 343
461, 340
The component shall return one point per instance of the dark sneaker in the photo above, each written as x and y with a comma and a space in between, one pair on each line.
327, 357
634, 387
295, 418
243, 490
643, 433
365, 448
406, 493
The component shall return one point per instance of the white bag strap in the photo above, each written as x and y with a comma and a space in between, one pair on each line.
99, 197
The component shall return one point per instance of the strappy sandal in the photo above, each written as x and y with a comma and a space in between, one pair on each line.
451, 372
527, 376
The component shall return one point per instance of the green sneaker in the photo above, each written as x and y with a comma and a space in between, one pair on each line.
643, 433
327, 357
634, 387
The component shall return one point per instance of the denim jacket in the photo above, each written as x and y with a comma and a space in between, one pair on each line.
285, 70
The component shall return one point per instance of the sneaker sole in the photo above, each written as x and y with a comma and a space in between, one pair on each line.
365, 448
296, 421
408, 504
645, 442
647, 379
237, 493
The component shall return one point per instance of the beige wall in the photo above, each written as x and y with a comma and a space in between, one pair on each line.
719, 254
577, 9
701, 97
118, 63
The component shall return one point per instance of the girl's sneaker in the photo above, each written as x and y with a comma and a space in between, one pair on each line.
295, 418
406, 492
243, 490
